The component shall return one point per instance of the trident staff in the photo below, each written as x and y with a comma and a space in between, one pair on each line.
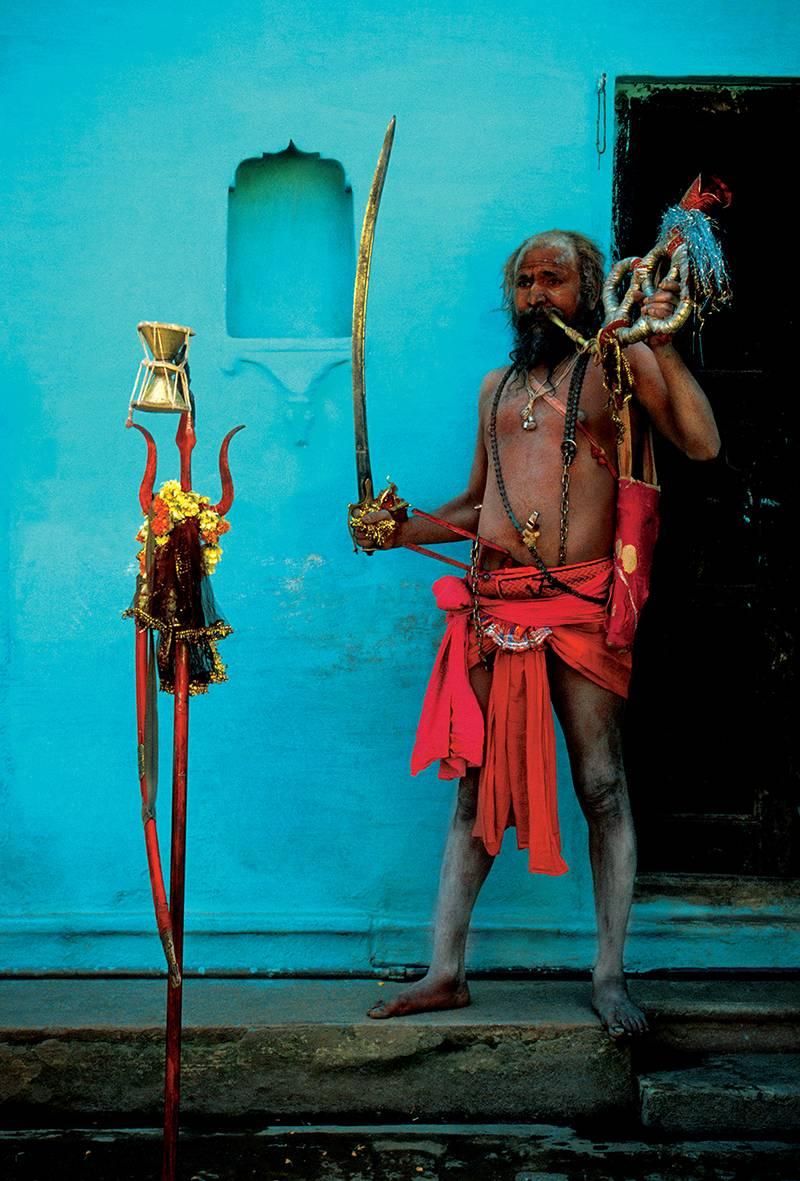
180, 549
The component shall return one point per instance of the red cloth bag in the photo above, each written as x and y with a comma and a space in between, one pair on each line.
634, 540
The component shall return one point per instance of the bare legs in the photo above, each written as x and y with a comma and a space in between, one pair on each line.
590, 718
464, 868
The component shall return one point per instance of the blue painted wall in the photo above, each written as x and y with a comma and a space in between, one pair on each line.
310, 846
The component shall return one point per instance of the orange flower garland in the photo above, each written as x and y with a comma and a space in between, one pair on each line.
171, 505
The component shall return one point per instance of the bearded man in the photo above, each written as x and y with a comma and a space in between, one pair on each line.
531, 620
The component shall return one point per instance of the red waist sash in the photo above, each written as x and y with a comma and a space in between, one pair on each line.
515, 749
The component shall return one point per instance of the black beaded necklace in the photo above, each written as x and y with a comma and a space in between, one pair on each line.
529, 532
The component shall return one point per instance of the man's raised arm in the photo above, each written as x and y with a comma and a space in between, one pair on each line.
669, 393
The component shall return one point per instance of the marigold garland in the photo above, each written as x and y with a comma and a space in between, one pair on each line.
171, 505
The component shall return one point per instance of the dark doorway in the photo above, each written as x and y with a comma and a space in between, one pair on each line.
712, 721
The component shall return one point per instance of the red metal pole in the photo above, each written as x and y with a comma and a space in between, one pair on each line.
180, 751
185, 440
150, 834
169, 917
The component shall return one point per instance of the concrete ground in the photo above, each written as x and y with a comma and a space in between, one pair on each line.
290, 1079
390, 1153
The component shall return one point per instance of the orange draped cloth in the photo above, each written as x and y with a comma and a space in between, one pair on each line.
521, 615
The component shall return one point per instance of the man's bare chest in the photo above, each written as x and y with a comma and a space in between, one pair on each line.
530, 430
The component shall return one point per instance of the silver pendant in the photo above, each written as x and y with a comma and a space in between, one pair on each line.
529, 423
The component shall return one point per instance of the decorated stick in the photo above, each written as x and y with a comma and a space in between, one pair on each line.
687, 246
180, 549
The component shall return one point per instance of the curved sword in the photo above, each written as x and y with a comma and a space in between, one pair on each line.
363, 468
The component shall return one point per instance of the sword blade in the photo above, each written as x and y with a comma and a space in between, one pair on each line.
363, 468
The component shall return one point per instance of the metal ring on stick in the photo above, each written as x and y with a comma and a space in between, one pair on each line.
643, 272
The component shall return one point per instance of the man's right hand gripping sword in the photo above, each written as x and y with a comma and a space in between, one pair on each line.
374, 523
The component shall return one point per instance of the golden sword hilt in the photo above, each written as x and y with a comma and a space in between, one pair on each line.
377, 533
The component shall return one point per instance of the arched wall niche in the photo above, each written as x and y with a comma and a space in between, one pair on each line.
291, 256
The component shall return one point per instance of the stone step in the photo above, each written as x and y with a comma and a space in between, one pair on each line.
304, 1050
418, 1152
690, 1017
745, 1094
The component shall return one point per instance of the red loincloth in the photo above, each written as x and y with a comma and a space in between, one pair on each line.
518, 769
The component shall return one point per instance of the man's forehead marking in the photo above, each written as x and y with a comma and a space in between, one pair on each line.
549, 254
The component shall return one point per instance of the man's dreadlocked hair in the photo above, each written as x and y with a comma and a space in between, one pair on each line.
590, 268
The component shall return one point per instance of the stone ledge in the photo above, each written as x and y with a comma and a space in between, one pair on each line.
283, 1049
97, 1003
301, 1049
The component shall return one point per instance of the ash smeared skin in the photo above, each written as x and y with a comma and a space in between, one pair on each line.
465, 867
590, 717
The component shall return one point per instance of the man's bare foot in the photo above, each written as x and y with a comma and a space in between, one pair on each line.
426, 996
619, 1015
